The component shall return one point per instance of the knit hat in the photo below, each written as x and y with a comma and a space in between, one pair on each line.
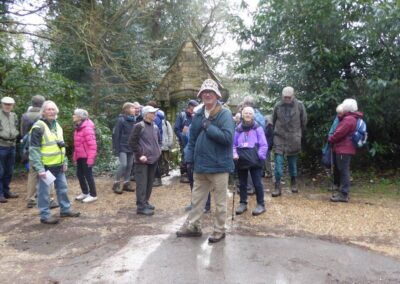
37, 101
192, 103
209, 85
148, 109
7, 100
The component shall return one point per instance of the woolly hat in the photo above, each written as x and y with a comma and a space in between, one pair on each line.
148, 109
37, 101
192, 103
7, 100
350, 105
209, 85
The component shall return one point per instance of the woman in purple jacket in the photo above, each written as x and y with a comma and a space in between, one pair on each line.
250, 150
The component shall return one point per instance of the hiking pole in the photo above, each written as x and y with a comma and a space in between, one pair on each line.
331, 169
233, 200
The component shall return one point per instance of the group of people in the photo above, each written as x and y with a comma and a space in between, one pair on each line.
213, 143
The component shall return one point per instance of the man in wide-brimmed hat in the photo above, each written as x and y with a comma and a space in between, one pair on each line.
209, 152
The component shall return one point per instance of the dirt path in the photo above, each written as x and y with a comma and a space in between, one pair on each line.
30, 251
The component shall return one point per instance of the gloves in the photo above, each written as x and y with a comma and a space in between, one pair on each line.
205, 123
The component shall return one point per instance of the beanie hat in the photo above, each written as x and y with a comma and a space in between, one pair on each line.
193, 103
209, 85
37, 101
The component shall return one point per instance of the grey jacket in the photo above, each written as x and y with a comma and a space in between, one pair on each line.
8, 129
289, 121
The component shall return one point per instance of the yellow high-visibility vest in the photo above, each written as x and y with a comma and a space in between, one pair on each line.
52, 154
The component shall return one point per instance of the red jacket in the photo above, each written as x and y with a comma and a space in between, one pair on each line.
85, 142
341, 138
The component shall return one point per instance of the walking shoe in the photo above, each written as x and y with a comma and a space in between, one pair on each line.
127, 187
189, 207
50, 221
157, 182
31, 204
3, 199
53, 204
150, 206
70, 214
241, 209
81, 196
216, 237
11, 195
145, 211
258, 210
333, 188
293, 186
116, 188
189, 231
339, 197
277, 190
89, 199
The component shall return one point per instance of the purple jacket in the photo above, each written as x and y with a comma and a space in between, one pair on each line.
249, 139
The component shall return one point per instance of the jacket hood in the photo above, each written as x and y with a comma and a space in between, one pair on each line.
239, 128
86, 123
356, 114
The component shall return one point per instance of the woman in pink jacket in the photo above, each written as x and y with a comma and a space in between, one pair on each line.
85, 151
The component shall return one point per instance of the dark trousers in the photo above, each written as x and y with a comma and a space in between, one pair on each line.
158, 169
342, 163
144, 175
7, 162
85, 177
182, 164
256, 178
164, 163
191, 180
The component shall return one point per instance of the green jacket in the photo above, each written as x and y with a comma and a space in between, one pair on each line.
8, 129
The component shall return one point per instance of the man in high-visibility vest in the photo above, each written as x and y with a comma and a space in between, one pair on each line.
47, 157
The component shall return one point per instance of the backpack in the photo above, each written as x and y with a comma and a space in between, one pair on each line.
360, 136
24, 147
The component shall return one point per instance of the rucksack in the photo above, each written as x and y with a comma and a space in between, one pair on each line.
360, 136
24, 150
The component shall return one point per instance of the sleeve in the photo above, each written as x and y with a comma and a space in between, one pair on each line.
342, 130
333, 126
194, 133
91, 145
235, 144
178, 127
35, 155
117, 136
262, 142
303, 117
134, 138
222, 134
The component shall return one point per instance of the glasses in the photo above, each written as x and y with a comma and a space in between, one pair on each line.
7, 104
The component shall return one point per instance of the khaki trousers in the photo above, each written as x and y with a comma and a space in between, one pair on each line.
31, 187
203, 183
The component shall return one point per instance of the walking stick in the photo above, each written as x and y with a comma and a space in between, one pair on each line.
233, 200
331, 169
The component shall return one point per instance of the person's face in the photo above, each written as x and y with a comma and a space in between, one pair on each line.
50, 112
7, 107
190, 109
247, 115
136, 110
287, 99
131, 110
150, 116
76, 118
209, 97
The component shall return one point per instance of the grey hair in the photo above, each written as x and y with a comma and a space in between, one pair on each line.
249, 108
350, 105
249, 101
47, 103
82, 113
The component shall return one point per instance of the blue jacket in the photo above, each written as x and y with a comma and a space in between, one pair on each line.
183, 119
210, 151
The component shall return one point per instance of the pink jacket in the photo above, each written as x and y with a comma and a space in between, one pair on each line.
85, 142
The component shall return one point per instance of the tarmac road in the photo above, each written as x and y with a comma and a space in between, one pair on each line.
237, 259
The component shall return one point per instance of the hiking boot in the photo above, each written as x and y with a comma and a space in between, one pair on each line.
49, 221
258, 210
53, 204
293, 186
31, 204
339, 197
206, 210
70, 214
184, 179
189, 207
127, 187
81, 196
3, 199
11, 195
89, 199
334, 187
157, 182
277, 190
242, 207
145, 211
216, 237
116, 188
189, 231
150, 206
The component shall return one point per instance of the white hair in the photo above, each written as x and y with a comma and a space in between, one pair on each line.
339, 108
248, 101
288, 92
46, 104
250, 109
82, 113
350, 105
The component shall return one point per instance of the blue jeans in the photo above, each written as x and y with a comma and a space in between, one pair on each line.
256, 178
61, 187
7, 162
292, 161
